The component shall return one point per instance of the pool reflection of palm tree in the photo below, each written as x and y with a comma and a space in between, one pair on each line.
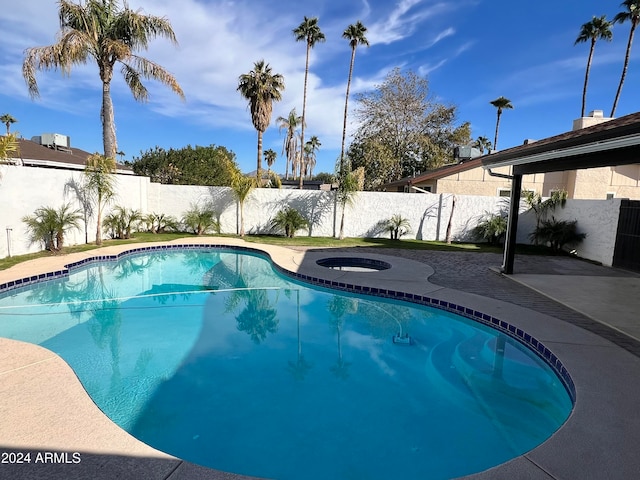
338, 307
258, 317
301, 366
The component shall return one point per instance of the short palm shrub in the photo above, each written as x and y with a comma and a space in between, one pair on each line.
557, 233
48, 225
160, 223
121, 222
491, 228
397, 226
289, 221
199, 220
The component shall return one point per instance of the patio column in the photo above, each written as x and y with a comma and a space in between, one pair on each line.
512, 225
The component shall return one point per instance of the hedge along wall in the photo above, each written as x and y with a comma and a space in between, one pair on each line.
24, 189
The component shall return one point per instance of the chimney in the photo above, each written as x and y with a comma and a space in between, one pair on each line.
594, 117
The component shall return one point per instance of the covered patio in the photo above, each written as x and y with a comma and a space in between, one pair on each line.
612, 143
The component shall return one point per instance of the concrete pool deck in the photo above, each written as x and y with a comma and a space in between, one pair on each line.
45, 411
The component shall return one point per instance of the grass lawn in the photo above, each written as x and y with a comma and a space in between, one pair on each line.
318, 242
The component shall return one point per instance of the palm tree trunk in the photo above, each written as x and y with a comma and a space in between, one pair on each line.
586, 78
346, 106
99, 222
495, 139
624, 68
259, 161
108, 124
304, 112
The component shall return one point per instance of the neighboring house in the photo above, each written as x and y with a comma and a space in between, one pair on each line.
54, 151
469, 178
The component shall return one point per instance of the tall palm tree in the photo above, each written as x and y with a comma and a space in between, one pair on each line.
309, 32
270, 157
355, 34
500, 103
261, 87
290, 144
101, 30
631, 14
598, 28
310, 149
7, 120
101, 185
482, 144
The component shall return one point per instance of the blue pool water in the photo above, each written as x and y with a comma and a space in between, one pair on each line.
214, 357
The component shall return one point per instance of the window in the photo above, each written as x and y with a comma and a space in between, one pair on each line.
611, 195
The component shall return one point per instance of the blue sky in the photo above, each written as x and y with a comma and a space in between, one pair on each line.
471, 51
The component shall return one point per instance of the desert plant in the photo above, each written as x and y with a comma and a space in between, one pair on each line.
200, 219
491, 228
397, 226
289, 220
557, 233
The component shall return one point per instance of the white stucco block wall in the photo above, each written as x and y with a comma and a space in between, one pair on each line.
599, 220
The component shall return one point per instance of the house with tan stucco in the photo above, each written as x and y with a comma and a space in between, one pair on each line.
467, 177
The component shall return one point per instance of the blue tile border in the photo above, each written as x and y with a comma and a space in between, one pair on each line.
500, 325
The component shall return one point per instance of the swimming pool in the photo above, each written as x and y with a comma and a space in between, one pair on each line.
218, 359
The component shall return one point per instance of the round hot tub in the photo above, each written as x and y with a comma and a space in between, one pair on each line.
353, 264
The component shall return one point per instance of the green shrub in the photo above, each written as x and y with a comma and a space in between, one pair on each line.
200, 219
557, 233
48, 225
491, 228
121, 221
160, 223
290, 221
397, 226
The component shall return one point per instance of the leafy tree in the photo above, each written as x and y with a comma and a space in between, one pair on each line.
212, 165
501, 103
597, 29
632, 15
102, 31
100, 184
241, 187
290, 144
309, 32
261, 87
324, 177
355, 33
200, 219
290, 221
48, 225
7, 120
403, 130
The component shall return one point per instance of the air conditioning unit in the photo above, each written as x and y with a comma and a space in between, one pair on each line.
55, 140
